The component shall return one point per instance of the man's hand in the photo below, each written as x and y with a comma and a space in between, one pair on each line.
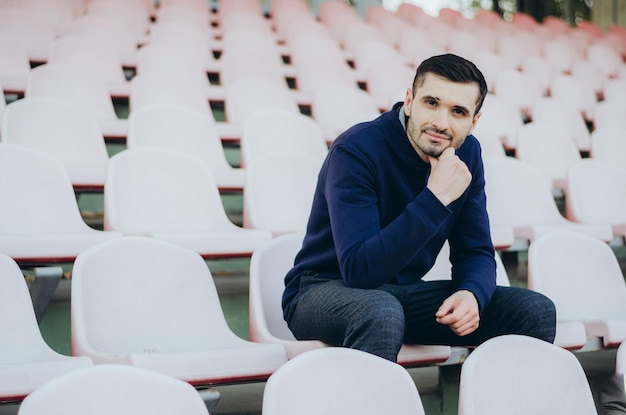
459, 312
449, 176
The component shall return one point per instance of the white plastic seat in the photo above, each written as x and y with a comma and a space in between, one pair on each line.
442, 269
597, 194
148, 303
185, 131
103, 389
388, 83
541, 69
521, 374
337, 107
274, 130
500, 118
609, 114
29, 31
86, 54
172, 197
63, 131
268, 267
78, 88
518, 88
573, 91
564, 116
26, 360
199, 39
609, 144
518, 196
581, 275
39, 216
14, 64
111, 32
278, 192
550, 149
342, 381
246, 97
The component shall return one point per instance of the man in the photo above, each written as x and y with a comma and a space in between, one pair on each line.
390, 193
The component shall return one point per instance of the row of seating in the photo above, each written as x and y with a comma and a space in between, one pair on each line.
118, 317
496, 377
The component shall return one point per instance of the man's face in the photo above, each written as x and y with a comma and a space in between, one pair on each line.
440, 115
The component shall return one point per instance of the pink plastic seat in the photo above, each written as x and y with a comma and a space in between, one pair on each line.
520, 374
39, 217
63, 131
26, 360
103, 389
118, 315
168, 196
581, 275
597, 194
268, 267
519, 196
305, 385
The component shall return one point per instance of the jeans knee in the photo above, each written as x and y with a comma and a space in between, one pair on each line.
542, 318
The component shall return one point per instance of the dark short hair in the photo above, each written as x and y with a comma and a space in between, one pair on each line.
455, 69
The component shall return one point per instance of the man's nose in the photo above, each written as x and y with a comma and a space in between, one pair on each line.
440, 120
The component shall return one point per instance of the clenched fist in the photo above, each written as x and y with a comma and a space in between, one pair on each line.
449, 176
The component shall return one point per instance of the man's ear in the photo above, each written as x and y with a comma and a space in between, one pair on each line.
474, 121
408, 99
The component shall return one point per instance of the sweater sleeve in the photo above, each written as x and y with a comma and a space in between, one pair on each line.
370, 255
471, 249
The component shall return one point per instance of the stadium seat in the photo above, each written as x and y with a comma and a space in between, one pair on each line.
80, 88
340, 381
520, 374
550, 149
549, 110
103, 389
279, 131
26, 361
168, 196
518, 196
62, 130
278, 192
581, 275
609, 144
39, 217
597, 195
184, 131
268, 267
154, 305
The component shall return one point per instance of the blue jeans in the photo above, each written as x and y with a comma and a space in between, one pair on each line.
378, 321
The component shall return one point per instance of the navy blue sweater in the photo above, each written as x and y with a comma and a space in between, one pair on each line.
373, 221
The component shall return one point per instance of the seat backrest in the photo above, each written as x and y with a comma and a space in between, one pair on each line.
521, 374
248, 96
548, 110
336, 380
14, 60
579, 273
268, 267
84, 52
548, 148
64, 82
155, 190
162, 87
518, 194
278, 192
274, 130
122, 389
22, 337
178, 129
337, 107
500, 118
62, 130
442, 269
142, 295
38, 196
609, 143
596, 192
